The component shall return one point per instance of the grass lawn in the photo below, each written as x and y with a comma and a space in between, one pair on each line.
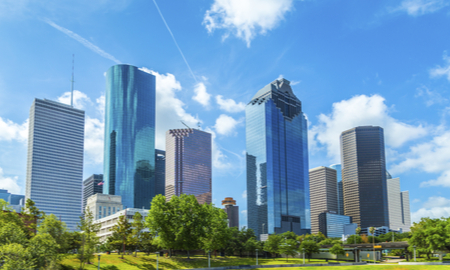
366, 267
143, 262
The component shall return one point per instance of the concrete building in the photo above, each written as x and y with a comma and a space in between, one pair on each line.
333, 225
188, 164
129, 151
92, 185
406, 212
55, 160
107, 223
398, 201
232, 211
379, 230
364, 176
323, 194
277, 161
104, 205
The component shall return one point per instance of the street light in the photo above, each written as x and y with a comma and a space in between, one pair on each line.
414, 253
157, 260
209, 258
256, 256
99, 261
303, 249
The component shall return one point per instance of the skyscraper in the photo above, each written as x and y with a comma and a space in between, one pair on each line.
406, 212
340, 188
129, 153
188, 163
55, 159
160, 172
92, 185
398, 202
277, 161
232, 211
323, 194
364, 176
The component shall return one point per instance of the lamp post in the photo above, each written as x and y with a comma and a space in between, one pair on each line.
99, 261
209, 258
157, 260
414, 253
256, 256
303, 249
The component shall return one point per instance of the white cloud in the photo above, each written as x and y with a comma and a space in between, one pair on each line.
201, 95
246, 19
9, 183
10, 131
226, 125
80, 99
435, 207
219, 159
229, 105
431, 97
421, 7
244, 212
244, 194
443, 180
442, 71
94, 130
361, 110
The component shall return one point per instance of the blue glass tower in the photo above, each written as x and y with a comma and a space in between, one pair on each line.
277, 161
340, 188
129, 153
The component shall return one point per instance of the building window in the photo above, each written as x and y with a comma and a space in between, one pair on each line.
109, 210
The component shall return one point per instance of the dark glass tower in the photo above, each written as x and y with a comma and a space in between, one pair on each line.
129, 154
364, 176
92, 185
277, 161
160, 172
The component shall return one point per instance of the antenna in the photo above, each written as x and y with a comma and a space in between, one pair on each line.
185, 124
198, 125
71, 94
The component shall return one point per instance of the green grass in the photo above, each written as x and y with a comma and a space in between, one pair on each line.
367, 267
143, 262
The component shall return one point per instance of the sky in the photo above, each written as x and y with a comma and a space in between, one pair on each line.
350, 62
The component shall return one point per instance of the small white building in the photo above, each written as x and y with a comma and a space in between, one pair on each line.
107, 223
103, 205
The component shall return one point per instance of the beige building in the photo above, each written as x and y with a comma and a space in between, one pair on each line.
103, 205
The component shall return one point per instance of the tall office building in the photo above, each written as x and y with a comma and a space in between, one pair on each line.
55, 160
92, 185
160, 171
406, 212
398, 204
232, 211
323, 194
188, 164
340, 188
277, 161
129, 153
364, 176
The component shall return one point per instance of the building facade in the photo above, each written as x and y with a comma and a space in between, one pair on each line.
160, 171
103, 205
340, 188
232, 211
129, 153
406, 212
333, 225
364, 176
92, 185
15, 201
188, 164
107, 223
277, 161
55, 160
323, 193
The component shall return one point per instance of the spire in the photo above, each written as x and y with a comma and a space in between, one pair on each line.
71, 92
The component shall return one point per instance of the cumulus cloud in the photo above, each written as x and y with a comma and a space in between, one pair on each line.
435, 207
421, 7
201, 95
430, 97
226, 125
10, 131
219, 159
229, 105
442, 71
246, 19
244, 194
80, 99
9, 183
361, 110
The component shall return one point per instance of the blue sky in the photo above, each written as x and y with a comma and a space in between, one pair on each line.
350, 62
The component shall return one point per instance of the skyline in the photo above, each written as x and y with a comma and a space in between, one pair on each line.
385, 56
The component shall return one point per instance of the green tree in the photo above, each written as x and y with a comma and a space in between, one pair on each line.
273, 243
288, 247
31, 216
57, 229
337, 249
9, 234
114, 242
352, 239
123, 230
329, 241
16, 257
147, 243
216, 233
309, 247
89, 239
44, 249
251, 245
138, 225
430, 235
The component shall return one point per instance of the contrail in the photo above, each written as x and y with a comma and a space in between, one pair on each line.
83, 41
174, 40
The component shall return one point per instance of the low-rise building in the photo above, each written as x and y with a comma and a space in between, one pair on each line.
333, 225
15, 201
103, 205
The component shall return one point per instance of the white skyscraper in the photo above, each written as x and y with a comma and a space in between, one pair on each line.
398, 202
55, 159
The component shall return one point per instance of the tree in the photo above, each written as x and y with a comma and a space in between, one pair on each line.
10, 234
288, 247
147, 243
273, 243
354, 239
310, 247
429, 235
337, 249
216, 233
57, 229
89, 239
31, 216
44, 249
251, 245
329, 241
123, 230
138, 225
16, 257
114, 242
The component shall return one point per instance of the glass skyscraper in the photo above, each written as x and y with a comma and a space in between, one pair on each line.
92, 185
364, 176
277, 161
129, 153
55, 160
188, 164
340, 188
